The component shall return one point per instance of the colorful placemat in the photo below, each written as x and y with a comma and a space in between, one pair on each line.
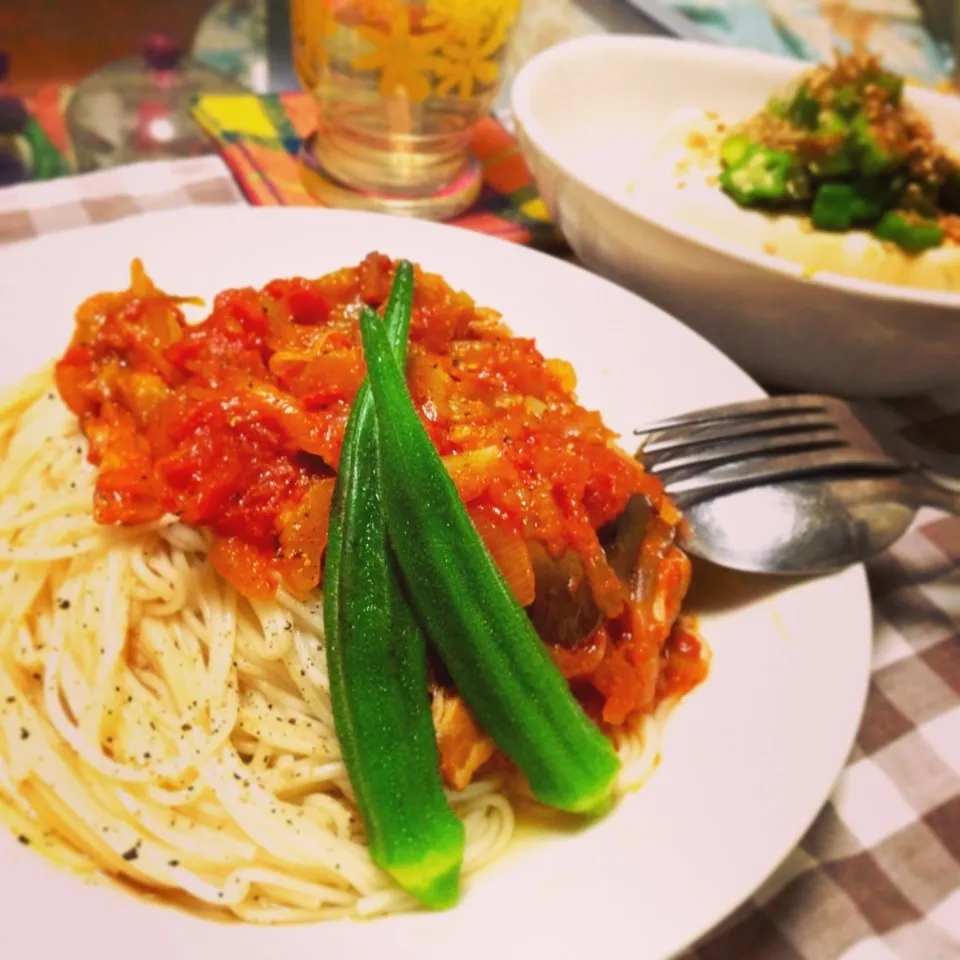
38, 137
259, 138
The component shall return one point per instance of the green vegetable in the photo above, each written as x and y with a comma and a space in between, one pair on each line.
777, 107
497, 661
760, 177
841, 161
376, 655
832, 207
832, 121
873, 158
839, 145
804, 110
738, 148
833, 165
845, 101
734, 148
839, 206
912, 236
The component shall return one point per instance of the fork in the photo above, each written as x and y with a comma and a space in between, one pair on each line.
721, 449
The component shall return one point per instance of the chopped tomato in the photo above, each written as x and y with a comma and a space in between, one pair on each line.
582, 660
684, 665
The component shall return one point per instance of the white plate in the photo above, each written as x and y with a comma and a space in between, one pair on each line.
748, 759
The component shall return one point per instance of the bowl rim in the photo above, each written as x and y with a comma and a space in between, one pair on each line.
529, 125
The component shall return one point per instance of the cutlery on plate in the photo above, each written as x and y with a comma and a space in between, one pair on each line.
794, 485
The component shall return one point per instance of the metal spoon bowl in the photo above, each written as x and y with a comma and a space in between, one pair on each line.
811, 526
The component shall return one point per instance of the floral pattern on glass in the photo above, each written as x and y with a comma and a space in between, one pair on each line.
311, 23
403, 57
419, 49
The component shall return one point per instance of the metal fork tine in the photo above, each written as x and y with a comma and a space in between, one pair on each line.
734, 476
768, 406
740, 449
680, 437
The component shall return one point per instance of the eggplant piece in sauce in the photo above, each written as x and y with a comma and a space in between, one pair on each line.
564, 611
623, 538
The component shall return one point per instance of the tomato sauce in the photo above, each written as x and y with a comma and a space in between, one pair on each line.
235, 424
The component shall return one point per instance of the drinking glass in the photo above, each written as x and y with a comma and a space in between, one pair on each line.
398, 85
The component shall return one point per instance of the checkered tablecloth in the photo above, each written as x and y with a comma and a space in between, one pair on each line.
877, 877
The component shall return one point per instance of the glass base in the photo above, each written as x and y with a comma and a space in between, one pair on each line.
451, 200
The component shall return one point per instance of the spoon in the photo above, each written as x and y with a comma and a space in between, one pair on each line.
814, 525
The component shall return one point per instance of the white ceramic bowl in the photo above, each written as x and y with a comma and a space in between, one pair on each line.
587, 111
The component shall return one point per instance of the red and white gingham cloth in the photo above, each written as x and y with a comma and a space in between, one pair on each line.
877, 877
